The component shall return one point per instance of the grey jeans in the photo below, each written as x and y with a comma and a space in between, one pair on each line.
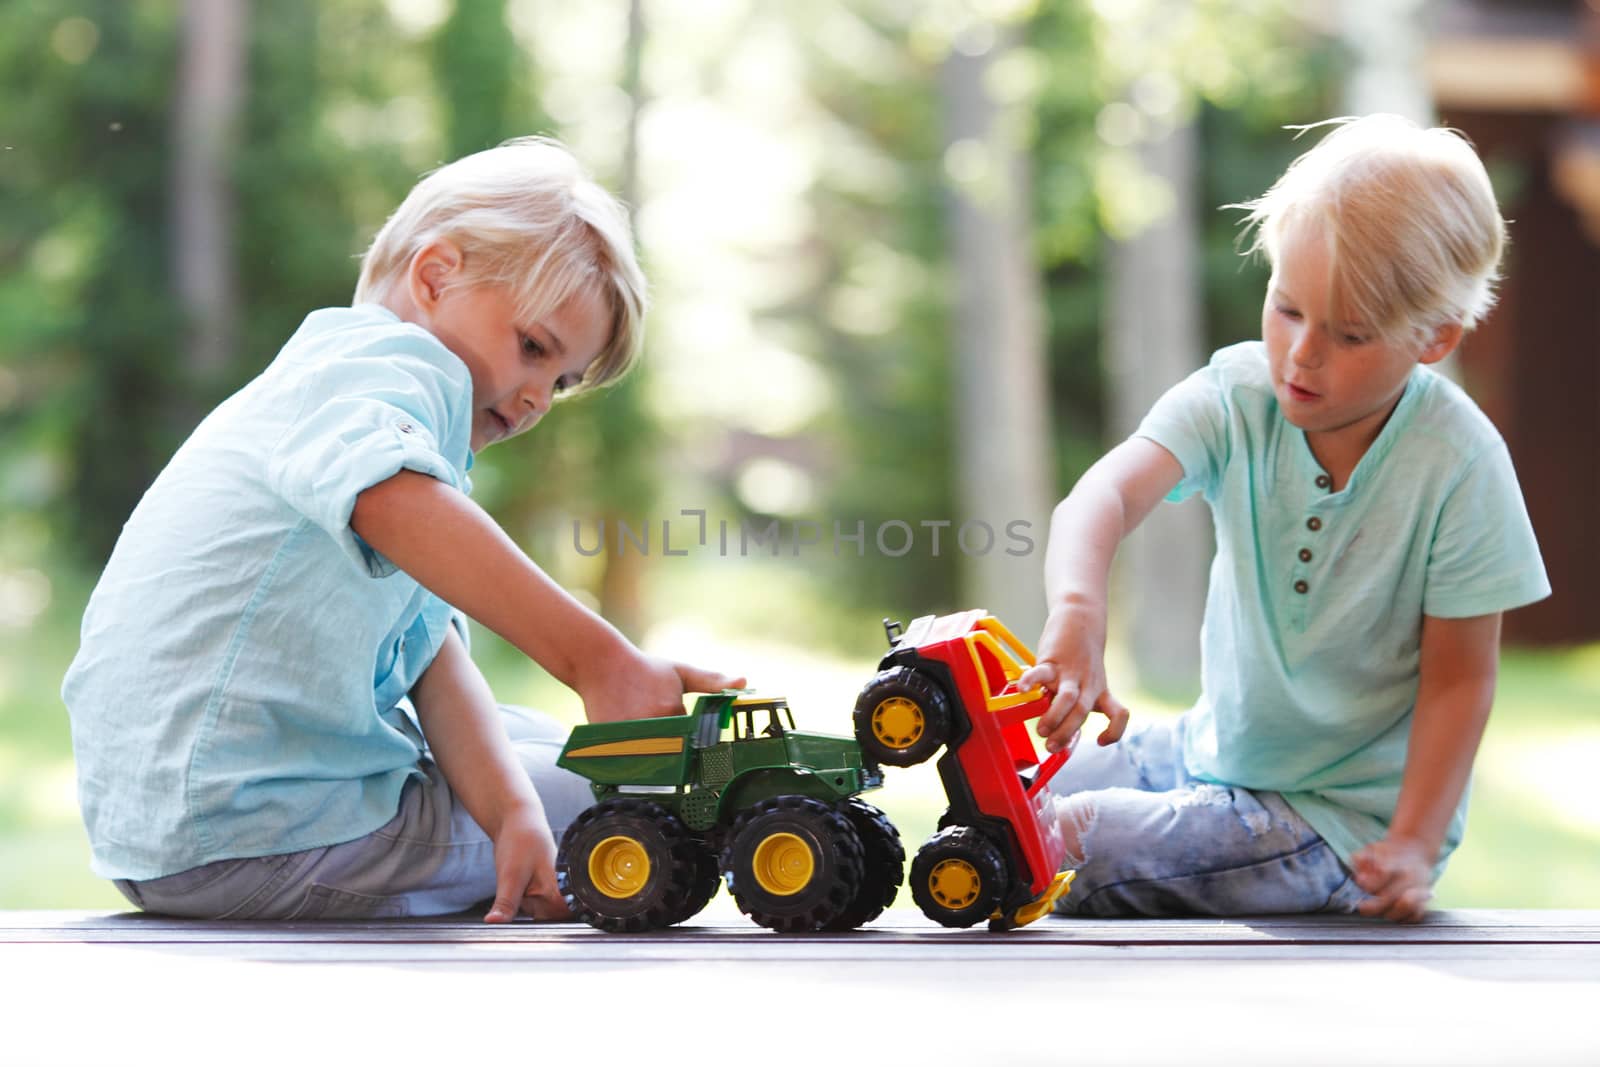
430, 859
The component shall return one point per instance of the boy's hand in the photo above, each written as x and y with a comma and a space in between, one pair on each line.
1071, 665
637, 686
1397, 873
525, 870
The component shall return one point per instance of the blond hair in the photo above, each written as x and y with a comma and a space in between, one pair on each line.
525, 216
1413, 231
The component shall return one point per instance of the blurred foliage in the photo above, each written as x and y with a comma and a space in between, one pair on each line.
342, 102
879, 311
92, 328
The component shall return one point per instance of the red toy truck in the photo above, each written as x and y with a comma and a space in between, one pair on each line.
951, 681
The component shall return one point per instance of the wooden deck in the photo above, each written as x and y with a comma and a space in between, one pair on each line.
1467, 987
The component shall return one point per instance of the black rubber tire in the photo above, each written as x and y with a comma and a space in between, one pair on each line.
911, 686
978, 898
673, 854
836, 864
884, 867
702, 887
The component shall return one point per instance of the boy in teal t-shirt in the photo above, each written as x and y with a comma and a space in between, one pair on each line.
274, 712
1370, 532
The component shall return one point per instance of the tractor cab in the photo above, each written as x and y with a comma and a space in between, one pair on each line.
761, 717
750, 717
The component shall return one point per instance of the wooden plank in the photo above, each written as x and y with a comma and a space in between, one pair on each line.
776, 1001
722, 924
1467, 988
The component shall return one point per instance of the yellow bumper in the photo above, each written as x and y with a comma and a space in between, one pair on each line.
1038, 907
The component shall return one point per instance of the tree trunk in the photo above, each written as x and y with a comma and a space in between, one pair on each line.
622, 576
1154, 340
210, 91
1002, 422
1384, 38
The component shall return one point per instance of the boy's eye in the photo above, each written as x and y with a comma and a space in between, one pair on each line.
566, 382
531, 347
1353, 340
1287, 312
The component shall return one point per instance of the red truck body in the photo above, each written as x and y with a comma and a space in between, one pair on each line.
994, 778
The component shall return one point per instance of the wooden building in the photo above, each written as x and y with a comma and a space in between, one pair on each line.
1522, 79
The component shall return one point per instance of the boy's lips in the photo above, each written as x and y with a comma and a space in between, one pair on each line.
1300, 393
503, 426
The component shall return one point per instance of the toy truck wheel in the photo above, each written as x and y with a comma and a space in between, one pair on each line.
793, 864
901, 717
884, 867
702, 887
627, 865
958, 878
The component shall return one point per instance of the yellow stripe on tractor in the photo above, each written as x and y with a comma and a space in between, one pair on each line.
644, 746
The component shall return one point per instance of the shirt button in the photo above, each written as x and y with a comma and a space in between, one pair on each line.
1313, 523
1323, 481
1301, 586
405, 427
1305, 555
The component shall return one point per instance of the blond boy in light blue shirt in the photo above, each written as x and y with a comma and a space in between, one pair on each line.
288, 592
1370, 532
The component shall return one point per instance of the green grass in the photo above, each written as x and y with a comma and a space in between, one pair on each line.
1532, 836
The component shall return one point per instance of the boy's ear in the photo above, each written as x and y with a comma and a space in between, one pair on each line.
1445, 339
431, 269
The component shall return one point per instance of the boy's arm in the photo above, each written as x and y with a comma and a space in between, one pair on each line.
1107, 503
461, 720
450, 545
1455, 690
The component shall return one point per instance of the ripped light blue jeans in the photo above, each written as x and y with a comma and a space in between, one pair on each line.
1149, 840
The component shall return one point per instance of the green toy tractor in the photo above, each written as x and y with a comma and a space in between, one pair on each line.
731, 787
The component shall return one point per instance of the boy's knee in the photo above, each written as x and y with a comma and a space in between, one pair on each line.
1076, 814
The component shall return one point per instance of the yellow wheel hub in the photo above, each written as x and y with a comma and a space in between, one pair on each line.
619, 867
783, 864
897, 722
954, 883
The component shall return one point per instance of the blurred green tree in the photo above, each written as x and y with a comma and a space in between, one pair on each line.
87, 324
92, 331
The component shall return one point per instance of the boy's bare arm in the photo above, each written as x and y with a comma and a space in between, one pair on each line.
450, 545
461, 720
1455, 690
1108, 502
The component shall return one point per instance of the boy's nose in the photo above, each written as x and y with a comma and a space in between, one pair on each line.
1306, 351
536, 398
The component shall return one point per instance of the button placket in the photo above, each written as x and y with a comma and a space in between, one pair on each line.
1300, 571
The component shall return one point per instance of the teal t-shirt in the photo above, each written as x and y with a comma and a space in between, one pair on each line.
239, 687
1313, 624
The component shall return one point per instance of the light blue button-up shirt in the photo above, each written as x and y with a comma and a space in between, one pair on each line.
1313, 624
245, 656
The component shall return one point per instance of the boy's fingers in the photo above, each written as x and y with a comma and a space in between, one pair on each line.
700, 680
1062, 735
511, 882
546, 907
1117, 712
501, 911
1040, 674
1413, 904
1060, 707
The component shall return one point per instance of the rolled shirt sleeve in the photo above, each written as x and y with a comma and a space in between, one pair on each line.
362, 420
